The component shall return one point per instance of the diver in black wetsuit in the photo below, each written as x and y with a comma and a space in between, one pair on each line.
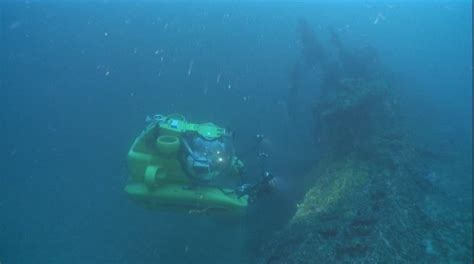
263, 186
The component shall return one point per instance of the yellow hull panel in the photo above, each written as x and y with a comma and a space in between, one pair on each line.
193, 200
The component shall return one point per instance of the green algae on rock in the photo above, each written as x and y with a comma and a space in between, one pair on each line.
334, 183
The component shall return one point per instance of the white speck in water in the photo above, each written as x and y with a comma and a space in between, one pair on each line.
107, 73
51, 129
378, 18
190, 68
106, 34
229, 86
14, 25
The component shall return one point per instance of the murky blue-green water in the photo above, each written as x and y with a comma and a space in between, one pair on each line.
78, 78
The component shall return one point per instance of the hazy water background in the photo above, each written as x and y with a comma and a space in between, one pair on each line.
78, 79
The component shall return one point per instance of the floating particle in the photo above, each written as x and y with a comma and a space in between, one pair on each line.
229, 86
51, 129
14, 25
379, 18
190, 68
218, 79
107, 73
106, 34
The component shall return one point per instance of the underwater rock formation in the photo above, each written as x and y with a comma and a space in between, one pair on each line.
362, 212
371, 201
352, 114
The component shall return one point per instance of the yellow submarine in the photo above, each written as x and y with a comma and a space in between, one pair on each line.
172, 164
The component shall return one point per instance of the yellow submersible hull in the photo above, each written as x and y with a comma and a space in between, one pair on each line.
158, 181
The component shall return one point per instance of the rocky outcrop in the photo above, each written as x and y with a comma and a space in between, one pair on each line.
373, 199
